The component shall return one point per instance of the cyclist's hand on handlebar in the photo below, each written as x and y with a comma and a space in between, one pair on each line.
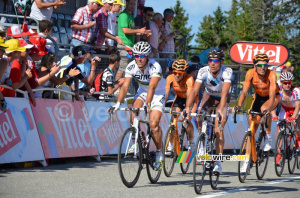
222, 115
275, 118
291, 119
114, 108
267, 112
187, 112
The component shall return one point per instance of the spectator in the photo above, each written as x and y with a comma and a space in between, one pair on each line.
203, 54
16, 79
45, 28
83, 23
16, 32
48, 68
112, 20
3, 33
79, 57
127, 33
154, 27
3, 65
143, 21
108, 83
168, 36
101, 25
43, 9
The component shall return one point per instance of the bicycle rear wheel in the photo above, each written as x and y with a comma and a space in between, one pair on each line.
262, 157
129, 165
169, 156
151, 150
243, 174
183, 147
280, 154
292, 154
199, 169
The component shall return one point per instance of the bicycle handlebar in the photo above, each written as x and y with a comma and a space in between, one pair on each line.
253, 113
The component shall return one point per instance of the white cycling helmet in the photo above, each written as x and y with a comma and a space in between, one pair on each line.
141, 48
286, 76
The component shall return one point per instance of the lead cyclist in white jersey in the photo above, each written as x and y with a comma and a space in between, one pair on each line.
151, 93
217, 81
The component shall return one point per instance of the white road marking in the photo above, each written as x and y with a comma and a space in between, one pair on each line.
243, 189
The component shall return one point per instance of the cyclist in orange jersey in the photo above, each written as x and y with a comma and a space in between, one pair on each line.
266, 96
182, 84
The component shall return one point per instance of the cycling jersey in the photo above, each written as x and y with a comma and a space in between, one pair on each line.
214, 86
180, 88
262, 87
288, 104
153, 69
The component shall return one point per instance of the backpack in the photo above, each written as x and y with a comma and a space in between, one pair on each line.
97, 84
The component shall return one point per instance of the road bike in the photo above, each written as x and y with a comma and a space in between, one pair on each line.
178, 142
254, 147
136, 149
205, 145
285, 148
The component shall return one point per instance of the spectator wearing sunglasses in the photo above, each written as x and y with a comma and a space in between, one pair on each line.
143, 21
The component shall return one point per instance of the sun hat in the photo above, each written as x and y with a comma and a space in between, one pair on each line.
39, 45
13, 46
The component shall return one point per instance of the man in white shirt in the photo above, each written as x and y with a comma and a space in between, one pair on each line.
112, 19
43, 9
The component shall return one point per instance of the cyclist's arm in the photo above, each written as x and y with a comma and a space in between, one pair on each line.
152, 86
224, 94
191, 97
273, 86
190, 85
168, 82
296, 111
124, 89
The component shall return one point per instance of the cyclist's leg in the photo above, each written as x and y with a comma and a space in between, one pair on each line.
157, 105
139, 100
204, 105
190, 127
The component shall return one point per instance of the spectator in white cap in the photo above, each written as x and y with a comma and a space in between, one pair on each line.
43, 9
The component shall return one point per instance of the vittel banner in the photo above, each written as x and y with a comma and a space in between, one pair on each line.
64, 128
244, 51
19, 140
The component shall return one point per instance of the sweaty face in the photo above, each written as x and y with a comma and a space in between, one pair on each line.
214, 65
261, 67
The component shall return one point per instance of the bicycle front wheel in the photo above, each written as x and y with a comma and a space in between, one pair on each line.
262, 157
129, 162
199, 168
280, 154
170, 155
183, 147
292, 154
244, 166
153, 175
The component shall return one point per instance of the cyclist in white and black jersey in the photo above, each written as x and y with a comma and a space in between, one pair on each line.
151, 93
217, 81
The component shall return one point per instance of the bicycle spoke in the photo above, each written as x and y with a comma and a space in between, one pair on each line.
152, 174
169, 156
199, 169
243, 166
280, 154
292, 154
262, 158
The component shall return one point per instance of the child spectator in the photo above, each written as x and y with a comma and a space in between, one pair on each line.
45, 28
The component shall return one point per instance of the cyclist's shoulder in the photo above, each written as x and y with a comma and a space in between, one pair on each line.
131, 66
170, 78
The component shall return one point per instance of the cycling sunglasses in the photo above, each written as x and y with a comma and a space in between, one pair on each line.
262, 65
140, 56
178, 73
213, 60
286, 82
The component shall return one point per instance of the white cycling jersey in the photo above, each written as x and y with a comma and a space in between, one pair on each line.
153, 69
214, 86
288, 103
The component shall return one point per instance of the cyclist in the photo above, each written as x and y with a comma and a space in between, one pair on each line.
182, 84
266, 94
217, 80
151, 93
290, 105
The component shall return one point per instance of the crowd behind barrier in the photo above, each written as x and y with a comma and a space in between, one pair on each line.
62, 129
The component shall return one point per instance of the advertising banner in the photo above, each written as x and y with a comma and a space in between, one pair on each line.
19, 140
64, 128
244, 51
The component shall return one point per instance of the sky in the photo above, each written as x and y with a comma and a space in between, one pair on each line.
196, 9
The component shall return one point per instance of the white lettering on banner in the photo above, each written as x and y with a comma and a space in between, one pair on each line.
6, 127
60, 127
112, 132
252, 53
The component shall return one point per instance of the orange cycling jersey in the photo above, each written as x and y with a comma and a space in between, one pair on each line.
264, 86
180, 88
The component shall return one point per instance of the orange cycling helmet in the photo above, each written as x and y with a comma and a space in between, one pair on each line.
180, 65
260, 57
